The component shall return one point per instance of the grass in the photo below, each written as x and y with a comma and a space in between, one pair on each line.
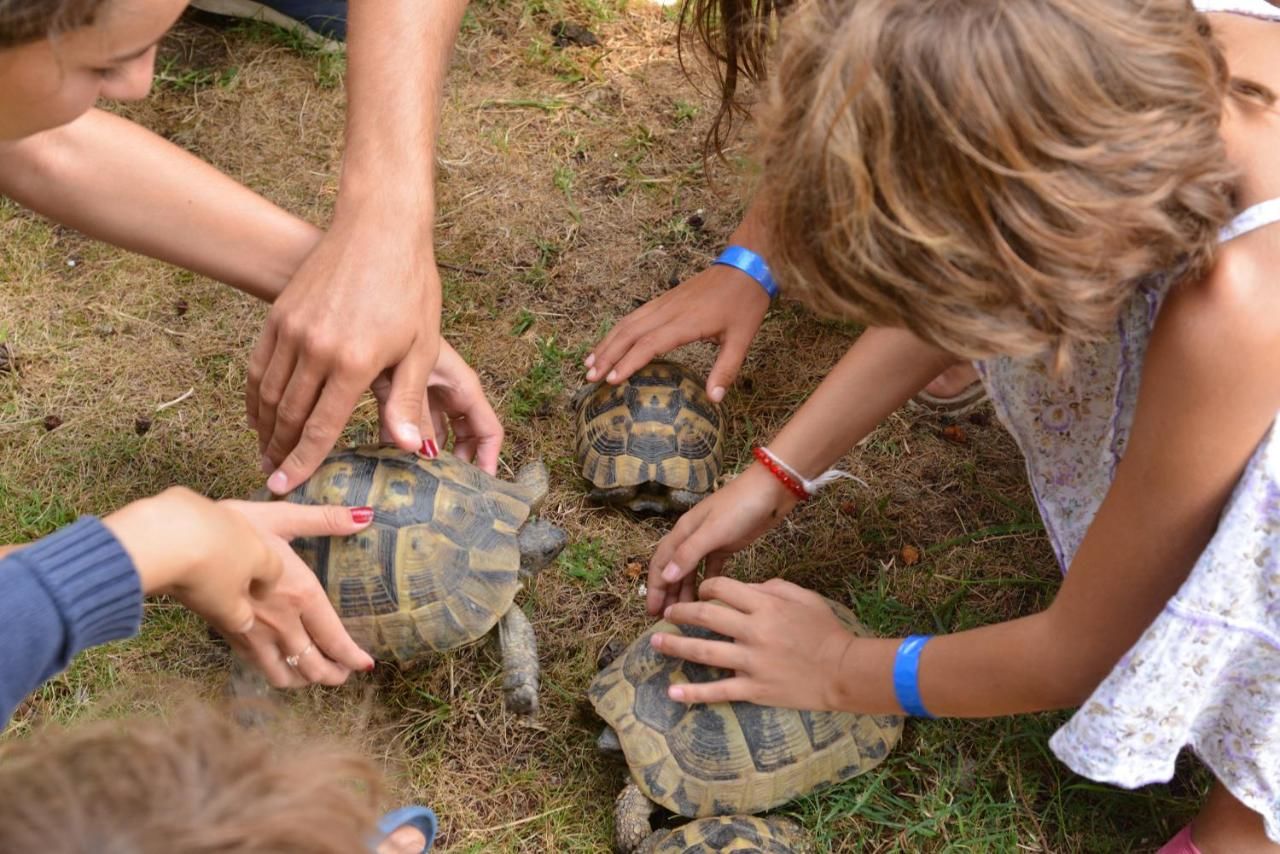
569, 200
587, 561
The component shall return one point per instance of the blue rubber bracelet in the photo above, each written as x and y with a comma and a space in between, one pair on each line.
906, 676
752, 264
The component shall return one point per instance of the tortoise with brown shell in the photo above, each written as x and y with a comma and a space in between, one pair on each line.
654, 443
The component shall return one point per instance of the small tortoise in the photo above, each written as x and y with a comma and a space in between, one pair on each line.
448, 549
652, 444
723, 758
742, 834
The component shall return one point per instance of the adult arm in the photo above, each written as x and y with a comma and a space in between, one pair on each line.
375, 267
181, 210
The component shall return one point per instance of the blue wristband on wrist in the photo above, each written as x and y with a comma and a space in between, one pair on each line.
752, 264
906, 676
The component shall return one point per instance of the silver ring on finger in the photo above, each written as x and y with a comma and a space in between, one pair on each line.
292, 660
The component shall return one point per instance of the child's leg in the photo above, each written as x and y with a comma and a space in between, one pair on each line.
1226, 826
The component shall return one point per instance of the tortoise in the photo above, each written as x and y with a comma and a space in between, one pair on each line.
449, 547
653, 444
745, 834
722, 758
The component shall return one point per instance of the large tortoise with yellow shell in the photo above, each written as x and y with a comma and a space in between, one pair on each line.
720, 758
652, 444
449, 548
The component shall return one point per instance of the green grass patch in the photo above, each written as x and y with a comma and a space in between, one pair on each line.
588, 561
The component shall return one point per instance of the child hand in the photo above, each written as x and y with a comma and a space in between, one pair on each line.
455, 402
787, 647
717, 526
720, 304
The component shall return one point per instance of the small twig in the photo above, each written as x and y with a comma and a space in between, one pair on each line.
162, 407
458, 268
13, 425
163, 329
495, 828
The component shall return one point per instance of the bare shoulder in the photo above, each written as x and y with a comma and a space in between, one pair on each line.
1224, 330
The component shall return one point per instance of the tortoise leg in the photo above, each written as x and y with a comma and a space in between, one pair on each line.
682, 499
631, 814
519, 662
652, 841
616, 495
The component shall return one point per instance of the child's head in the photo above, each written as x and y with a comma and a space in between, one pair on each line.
994, 176
198, 784
57, 57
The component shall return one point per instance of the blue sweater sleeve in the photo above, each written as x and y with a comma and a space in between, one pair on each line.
62, 594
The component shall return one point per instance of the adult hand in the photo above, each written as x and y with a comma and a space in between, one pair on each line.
293, 615
354, 309
720, 304
786, 647
230, 562
717, 526
457, 404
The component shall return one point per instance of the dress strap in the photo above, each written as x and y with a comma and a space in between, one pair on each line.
1253, 8
1251, 219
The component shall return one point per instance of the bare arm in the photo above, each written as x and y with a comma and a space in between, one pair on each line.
882, 369
375, 267
86, 175
1202, 411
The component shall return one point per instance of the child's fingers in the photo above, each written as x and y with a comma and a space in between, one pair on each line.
723, 654
644, 350
720, 619
743, 597
688, 591
791, 592
733, 350
721, 691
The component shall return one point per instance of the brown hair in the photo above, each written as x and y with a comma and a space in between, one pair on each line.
738, 36
198, 784
994, 176
24, 21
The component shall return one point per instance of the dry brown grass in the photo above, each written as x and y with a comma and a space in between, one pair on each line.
566, 182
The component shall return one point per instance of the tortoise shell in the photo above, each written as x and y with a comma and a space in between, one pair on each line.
658, 427
439, 565
724, 758
744, 834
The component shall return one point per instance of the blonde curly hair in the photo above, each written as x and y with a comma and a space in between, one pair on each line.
995, 176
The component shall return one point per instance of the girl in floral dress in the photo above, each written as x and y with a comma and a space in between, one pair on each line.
1082, 197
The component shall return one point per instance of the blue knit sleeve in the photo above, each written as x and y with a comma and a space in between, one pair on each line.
62, 594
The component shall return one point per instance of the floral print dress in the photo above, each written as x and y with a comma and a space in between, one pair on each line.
1206, 673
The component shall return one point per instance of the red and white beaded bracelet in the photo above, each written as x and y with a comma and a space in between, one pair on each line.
796, 483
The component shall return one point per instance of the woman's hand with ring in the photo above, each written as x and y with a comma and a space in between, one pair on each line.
231, 563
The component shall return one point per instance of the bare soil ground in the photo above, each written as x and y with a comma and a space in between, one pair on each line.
572, 189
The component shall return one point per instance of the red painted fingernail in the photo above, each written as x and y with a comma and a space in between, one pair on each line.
369, 669
362, 515
429, 449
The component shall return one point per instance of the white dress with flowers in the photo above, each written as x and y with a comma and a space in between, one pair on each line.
1206, 673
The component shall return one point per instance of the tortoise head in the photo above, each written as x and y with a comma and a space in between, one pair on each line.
539, 543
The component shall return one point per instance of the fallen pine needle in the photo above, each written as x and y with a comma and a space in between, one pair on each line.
162, 407
516, 823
